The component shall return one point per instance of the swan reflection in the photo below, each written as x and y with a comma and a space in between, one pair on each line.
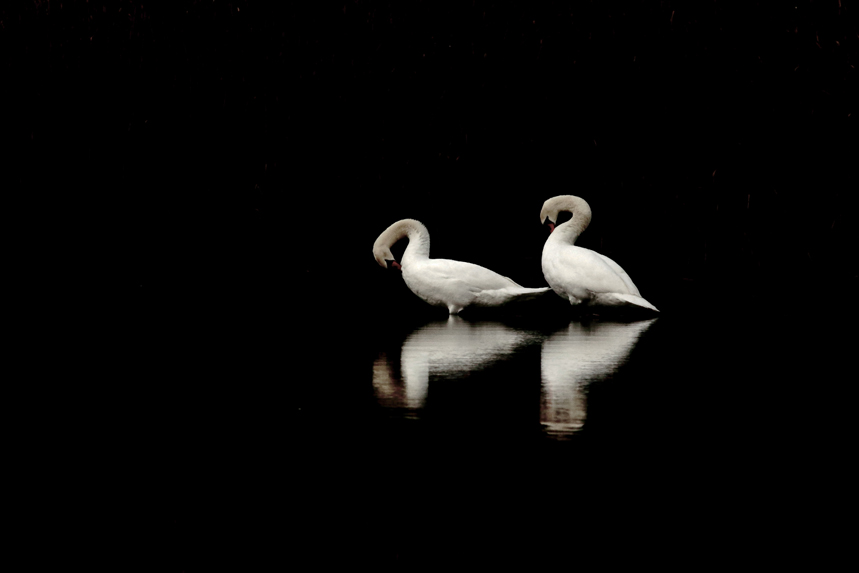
448, 349
574, 357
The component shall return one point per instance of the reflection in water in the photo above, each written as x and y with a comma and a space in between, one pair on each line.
386, 384
445, 348
573, 358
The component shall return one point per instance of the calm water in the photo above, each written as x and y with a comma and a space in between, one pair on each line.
448, 352
396, 439
566, 435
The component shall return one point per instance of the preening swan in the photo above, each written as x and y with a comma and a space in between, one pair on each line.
579, 275
454, 285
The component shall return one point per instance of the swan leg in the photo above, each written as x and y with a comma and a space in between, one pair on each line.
579, 296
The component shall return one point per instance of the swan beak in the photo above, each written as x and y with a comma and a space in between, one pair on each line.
551, 227
395, 264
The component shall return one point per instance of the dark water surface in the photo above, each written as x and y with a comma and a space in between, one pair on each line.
458, 365
695, 433
413, 439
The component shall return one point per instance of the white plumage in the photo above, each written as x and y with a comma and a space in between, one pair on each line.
454, 285
580, 275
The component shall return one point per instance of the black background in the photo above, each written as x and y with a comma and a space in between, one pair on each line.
224, 143
219, 171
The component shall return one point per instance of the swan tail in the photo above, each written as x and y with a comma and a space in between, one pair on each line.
524, 293
621, 299
499, 297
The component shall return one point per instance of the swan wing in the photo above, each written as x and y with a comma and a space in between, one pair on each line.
620, 299
579, 269
474, 277
454, 284
621, 273
457, 285
500, 297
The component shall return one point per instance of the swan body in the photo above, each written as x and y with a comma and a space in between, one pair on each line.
454, 285
582, 276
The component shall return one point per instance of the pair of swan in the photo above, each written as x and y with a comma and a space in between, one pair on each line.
581, 276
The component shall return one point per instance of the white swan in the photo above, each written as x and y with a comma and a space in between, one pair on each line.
579, 275
454, 285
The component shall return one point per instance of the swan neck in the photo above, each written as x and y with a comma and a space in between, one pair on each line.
416, 232
571, 230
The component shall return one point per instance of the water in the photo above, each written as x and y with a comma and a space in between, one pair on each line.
693, 386
404, 439
564, 436
451, 352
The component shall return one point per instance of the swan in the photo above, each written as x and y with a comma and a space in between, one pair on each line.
582, 276
454, 285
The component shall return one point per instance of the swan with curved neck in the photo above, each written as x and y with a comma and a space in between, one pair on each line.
454, 285
582, 276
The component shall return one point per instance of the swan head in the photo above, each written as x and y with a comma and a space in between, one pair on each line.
549, 216
384, 257
560, 209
